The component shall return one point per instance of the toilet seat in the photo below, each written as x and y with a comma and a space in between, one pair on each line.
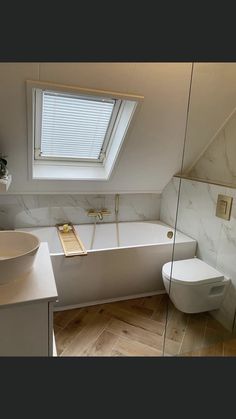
191, 271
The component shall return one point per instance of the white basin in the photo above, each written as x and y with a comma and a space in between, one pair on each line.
17, 254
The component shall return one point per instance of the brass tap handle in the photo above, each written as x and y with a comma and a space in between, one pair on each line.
98, 213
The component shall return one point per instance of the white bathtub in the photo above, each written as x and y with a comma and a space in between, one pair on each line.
110, 271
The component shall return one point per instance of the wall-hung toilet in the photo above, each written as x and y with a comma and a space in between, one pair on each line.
194, 286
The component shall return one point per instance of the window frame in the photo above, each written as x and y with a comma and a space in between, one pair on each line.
38, 116
48, 169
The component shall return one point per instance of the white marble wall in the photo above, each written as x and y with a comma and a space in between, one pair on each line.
216, 237
18, 211
218, 161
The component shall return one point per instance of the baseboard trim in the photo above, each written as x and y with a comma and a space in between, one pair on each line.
109, 300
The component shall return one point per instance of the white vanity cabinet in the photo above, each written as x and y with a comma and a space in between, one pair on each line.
26, 311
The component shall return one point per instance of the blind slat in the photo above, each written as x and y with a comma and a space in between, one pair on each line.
73, 126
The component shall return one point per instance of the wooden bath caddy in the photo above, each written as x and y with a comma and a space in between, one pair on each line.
70, 240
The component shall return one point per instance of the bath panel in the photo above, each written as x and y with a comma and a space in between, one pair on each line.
108, 272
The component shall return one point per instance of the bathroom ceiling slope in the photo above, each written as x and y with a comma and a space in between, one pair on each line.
152, 151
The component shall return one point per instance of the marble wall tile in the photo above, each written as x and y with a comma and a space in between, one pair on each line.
169, 200
18, 211
216, 237
217, 163
196, 217
226, 259
139, 207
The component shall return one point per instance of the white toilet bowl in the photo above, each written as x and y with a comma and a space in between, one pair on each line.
194, 286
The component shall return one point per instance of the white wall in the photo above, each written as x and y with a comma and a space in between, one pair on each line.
153, 148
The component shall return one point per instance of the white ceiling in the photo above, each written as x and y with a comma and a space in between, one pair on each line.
152, 151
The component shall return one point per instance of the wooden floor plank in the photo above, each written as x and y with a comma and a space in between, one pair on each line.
230, 347
171, 347
135, 301
104, 344
163, 308
138, 327
176, 325
126, 347
66, 335
213, 350
193, 338
135, 333
214, 324
56, 328
153, 302
136, 308
62, 318
197, 319
212, 336
83, 340
120, 313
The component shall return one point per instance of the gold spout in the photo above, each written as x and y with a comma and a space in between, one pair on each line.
104, 211
98, 213
92, 213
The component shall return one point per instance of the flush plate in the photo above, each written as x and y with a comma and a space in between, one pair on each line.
223, 206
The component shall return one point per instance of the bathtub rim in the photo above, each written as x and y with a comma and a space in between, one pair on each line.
120, 248
158, 222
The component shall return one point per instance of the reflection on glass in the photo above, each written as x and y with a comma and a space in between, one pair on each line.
210, 147
205, 325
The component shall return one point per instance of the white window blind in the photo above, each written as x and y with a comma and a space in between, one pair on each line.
75, 127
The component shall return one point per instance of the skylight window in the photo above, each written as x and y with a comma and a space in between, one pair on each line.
75, 133
75, 127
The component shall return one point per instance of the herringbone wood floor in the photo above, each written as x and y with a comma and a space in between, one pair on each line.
137, 328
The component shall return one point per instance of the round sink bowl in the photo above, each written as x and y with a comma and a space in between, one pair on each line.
17, 254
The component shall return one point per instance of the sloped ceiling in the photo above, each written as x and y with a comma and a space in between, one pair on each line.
152, 151
212, 102
217, 163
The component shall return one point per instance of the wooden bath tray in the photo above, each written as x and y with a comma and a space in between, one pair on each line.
70, 240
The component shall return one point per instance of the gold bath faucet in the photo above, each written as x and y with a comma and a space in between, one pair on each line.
98, 213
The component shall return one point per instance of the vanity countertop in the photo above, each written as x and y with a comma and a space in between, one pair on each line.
37, 285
